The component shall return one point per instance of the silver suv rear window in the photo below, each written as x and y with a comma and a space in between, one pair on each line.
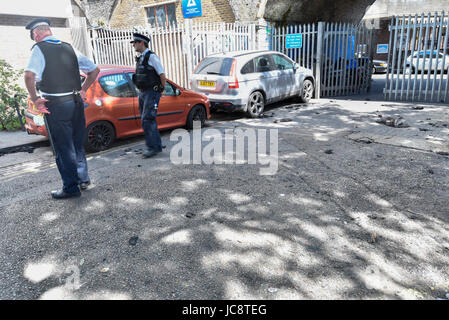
214, 65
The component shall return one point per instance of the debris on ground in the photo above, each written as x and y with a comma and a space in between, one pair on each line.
266, 115
397, 122
285, 120
365, 140
439, 124
329, 151
190, 214
133, 240
417, 107
29, 149
272, 290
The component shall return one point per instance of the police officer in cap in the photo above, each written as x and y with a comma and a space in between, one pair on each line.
150, 80
53, 81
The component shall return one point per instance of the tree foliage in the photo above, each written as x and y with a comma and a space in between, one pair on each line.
11, 94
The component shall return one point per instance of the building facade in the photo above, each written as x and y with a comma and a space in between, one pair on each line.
125, 14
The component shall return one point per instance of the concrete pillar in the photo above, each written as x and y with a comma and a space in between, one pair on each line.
262, 35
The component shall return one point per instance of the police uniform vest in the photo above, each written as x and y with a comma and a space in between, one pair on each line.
61, 73
146, 76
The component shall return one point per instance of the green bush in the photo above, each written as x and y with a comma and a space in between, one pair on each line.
10, 95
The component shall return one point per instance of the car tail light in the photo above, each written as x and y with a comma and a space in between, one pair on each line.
233, 84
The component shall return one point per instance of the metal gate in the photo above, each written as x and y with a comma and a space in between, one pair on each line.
179, 46
340, 55
418, 58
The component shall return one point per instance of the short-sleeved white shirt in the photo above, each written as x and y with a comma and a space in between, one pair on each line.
153, 61
36, 64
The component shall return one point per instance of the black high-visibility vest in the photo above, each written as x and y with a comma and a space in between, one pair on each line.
61, 73
146, 76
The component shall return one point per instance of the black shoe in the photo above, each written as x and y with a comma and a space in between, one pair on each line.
148, 153
84, 185
61, 194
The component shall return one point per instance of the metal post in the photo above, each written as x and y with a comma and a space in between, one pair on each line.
444, 63
387, 82
16, 105
319, 55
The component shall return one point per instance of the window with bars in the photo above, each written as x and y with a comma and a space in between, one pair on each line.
161, 16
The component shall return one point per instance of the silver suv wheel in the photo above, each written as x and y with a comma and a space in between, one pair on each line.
256, 104
307, 91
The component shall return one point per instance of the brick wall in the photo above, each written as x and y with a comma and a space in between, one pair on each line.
129, 13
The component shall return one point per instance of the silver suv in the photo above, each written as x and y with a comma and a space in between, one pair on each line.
249, 80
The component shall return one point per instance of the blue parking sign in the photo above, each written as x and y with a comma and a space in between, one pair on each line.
191, 8
293, 41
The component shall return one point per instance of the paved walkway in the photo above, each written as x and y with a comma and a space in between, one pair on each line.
18, 138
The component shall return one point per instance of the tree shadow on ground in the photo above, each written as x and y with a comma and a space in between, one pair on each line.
342, 225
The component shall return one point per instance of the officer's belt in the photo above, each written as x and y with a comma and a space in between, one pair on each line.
59, 99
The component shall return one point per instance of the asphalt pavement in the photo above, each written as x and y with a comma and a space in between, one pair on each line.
356, 210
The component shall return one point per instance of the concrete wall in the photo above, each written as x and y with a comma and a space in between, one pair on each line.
14, 15
44, 8
16, 44
388, 8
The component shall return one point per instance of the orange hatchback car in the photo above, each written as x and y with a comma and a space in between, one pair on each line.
112, 109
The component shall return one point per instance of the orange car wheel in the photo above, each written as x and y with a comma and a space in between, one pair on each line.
99, 136
198, 113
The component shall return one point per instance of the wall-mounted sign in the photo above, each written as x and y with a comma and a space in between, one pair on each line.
382, 48
293, 41
191, 8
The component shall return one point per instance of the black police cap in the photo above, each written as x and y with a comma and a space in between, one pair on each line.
36, 23
140, 37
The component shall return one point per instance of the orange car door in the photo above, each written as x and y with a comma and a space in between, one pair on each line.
120, 103
171, 108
